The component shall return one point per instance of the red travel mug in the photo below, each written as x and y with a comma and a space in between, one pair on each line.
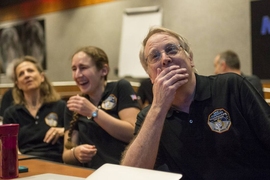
8, 151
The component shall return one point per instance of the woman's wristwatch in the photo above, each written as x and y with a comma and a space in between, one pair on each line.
94, 114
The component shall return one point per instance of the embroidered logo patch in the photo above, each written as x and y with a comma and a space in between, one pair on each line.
109, 103
51, 119
219, 120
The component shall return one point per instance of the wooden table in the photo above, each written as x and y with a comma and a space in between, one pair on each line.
38, 166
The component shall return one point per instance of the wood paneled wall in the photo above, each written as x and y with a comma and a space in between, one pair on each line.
70, 89
65, 89
33, 8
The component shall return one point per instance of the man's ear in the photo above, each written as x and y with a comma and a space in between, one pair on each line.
191, 61
223, 66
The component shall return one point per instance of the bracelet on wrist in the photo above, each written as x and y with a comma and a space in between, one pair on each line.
73, 152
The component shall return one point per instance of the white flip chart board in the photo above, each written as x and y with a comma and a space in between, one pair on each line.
135, 26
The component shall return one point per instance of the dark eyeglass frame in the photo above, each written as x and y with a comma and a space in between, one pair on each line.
170, 50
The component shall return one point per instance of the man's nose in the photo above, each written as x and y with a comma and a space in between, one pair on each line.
166, 59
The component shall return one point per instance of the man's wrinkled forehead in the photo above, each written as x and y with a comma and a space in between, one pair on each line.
159, 39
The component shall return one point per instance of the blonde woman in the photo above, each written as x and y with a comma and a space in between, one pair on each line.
38, 110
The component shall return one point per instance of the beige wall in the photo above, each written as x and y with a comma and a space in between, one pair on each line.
210, 26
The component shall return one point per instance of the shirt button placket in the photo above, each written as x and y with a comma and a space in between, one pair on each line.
37, 117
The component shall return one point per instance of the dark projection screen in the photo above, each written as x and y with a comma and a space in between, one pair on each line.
260, 29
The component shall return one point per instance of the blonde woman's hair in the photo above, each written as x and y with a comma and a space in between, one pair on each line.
47, 91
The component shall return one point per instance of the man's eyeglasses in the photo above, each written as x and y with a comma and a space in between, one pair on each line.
170, 50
